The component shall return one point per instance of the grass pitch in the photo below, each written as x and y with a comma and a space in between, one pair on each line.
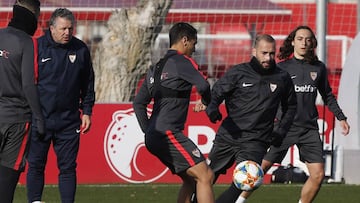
167, 193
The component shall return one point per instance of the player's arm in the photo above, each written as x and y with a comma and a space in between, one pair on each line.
87, 92
288, 106
224, 86
330, 100
140, 103
190, 73
28, 66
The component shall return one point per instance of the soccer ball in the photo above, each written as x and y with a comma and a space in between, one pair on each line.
248, 175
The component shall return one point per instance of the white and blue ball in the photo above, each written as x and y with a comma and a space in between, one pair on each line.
248, 175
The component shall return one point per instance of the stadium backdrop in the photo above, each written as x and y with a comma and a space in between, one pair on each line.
113, 151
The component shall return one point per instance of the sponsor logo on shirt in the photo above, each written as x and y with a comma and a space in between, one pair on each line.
43, 60
164, 76
247, 84
4, 53
304, 88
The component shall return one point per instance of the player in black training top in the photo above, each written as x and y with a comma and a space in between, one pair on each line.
252, 93
309, 75
169, 84
19, 99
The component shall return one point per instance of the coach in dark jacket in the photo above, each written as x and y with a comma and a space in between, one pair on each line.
66, 88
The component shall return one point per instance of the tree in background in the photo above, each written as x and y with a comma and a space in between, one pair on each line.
124, 54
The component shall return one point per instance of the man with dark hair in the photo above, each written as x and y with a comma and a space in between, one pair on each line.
66, 88
19, 100
309, 76
252, 93
169, 83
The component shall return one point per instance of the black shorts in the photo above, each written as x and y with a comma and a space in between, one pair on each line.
308, 142
13, 145
223, 153
175, 150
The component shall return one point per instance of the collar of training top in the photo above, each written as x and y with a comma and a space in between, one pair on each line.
23, 19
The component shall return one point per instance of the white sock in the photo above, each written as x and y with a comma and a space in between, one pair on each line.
299, 201
241, 199
36, 202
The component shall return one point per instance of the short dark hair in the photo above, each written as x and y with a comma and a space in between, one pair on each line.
180, 30
265, 37
32, 5
63, 13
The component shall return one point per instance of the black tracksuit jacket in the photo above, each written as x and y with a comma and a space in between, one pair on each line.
18, 92
252, 96
66, 81
180, 73
308, 79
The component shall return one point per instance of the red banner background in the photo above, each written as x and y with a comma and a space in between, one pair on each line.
109, 154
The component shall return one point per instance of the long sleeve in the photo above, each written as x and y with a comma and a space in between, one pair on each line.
328, 96
288, 107
142, 99
87, 86
191, 74
221, 88
28, 67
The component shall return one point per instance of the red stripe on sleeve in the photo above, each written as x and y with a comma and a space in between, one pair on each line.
195, 65
36, 64
20, 157
180, 148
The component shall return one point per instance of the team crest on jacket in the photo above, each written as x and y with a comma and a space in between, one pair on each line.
273, 87
313, 75
196, 153
72, 58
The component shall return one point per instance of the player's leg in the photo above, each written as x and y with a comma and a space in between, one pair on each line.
311, 152
187, 188
37, 158
248, 150
204, 178
220, 158
66, 147
13, 150
274, 155
313, 183
8, 181
185, 159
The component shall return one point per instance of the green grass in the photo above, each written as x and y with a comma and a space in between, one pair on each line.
162, 193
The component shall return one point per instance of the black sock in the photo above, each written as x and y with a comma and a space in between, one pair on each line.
8, 181
193, 198
230, 195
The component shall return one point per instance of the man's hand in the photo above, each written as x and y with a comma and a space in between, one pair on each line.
215, 116
40, 126
85, 123
345, 127
199, 106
